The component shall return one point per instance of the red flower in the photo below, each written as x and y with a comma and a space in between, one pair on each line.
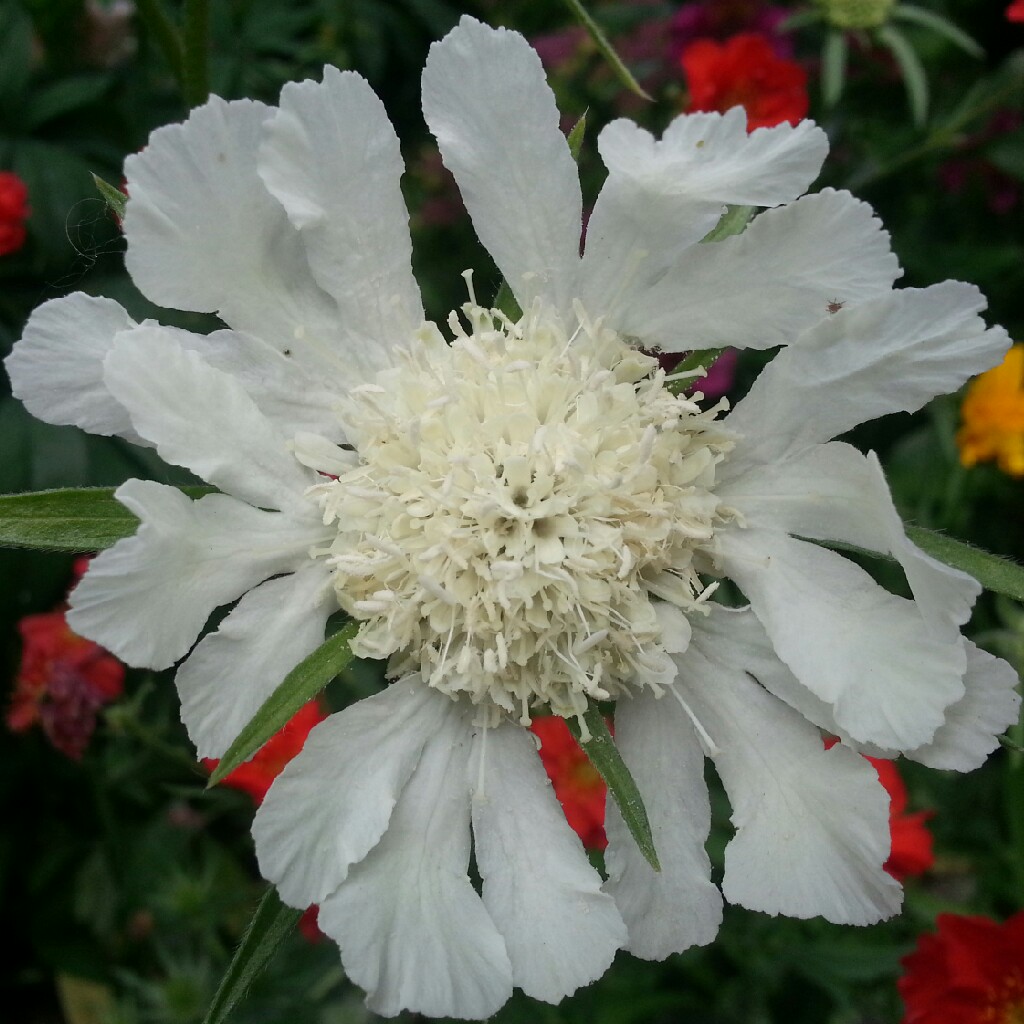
1015, 12
63, 681
579, 788
14, 211
970, 972
745, 71
256, 775
911, 852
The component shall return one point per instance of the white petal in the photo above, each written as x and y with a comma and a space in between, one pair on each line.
782, 273
413, 933
204, 234
974, 723
812, 826
710, 156
203, 419
289, 394
486, 100
332, 803
859, 648
743, 644
560, 930
331, 158
833, 492
146, 598
678, 907
232, 671
892, 354
57, 367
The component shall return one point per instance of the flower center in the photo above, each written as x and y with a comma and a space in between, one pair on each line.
524, 524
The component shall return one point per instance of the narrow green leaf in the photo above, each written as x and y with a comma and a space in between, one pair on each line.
914, 79
69, 519
733, 222
833, 67
302, 684
506, 302
939, 25
195, 60
115, 199
154, 16
695, 360
801, 19
992, 571
604, 756
575, 139
269, 926
607, 50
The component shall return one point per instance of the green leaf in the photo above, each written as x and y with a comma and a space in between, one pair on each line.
702, 358
833, 67
938, 24
733, 222
62, 97
69, 519
302, 684
607, 50
575, 139
992, 571
115, 199
270, 925
914, 79
604, 756
506, 302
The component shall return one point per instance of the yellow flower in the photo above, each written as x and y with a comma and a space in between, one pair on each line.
993, 416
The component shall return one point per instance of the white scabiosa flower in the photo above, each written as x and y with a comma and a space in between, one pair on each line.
524, 518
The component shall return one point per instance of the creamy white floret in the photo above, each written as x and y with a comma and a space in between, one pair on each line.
522, 524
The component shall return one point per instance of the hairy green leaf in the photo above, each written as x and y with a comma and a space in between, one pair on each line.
604, 756
302, 684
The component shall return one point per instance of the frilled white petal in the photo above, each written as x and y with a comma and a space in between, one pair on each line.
560, 930
833, 492
232, 671
202, 418
812, 825
332, 803
783, 272
488, 104
973, 724
146, 598
412, 931
859, 648
290, 395
742, 644
204, 234
678, 907
331, 158
57, 367
891, 354
710, 156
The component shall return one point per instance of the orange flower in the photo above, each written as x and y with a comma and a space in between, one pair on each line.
971, 971
993, 416
911, 851
580, 790
256, 775
745, 71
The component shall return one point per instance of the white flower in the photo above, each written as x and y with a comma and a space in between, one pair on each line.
527, 517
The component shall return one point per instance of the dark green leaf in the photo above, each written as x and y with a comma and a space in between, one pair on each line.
69, 519
914, 79
302, 684
62, 97
604, 756
270, 925
938, 24
607, 50
833, 67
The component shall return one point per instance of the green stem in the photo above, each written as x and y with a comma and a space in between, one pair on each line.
196, 58
156, 19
